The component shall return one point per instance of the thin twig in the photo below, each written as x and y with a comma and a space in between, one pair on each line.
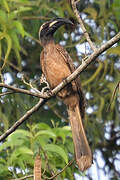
56, 112
113, 95
47, 164
82, 25
34, 39
24, 91
6, 93
30, 85
69, 164
12, 65
35, 18
25, 177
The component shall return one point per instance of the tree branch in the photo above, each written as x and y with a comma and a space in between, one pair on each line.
25, 177
24, 91
35, 18
48, 178
84, 64
54, 176
22, 119
82, 24
6, 93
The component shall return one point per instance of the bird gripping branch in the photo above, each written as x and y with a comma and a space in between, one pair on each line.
57, 65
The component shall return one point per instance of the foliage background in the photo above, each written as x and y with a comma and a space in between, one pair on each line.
48, 131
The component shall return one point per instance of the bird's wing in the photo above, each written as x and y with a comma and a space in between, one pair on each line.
66, 57
69, 62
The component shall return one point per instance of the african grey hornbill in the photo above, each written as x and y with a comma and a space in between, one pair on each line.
57, 65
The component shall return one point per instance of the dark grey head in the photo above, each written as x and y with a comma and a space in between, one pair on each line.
48, 28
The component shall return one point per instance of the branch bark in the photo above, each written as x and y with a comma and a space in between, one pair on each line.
25, 177
82, 25
24, 91
84, 64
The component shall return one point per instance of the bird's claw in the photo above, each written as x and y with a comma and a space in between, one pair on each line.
49, 92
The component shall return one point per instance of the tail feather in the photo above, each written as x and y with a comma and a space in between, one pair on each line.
82, 150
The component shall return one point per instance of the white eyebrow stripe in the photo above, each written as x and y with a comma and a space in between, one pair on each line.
41, 27
52, 23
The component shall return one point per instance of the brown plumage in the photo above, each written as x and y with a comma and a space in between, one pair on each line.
56, 66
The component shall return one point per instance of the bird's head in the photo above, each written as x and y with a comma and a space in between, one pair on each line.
47, 30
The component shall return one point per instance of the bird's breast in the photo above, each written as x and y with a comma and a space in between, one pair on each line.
54, 67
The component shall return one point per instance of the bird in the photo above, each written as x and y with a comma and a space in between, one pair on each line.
57, 65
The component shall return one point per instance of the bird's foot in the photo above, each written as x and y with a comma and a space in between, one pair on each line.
45, 86
49, 92
43, 80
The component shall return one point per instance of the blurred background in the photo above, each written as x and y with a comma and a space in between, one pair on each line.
47, 131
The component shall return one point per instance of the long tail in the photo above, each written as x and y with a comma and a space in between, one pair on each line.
82, 150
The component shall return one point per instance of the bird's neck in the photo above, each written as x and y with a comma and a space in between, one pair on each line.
46, 41
49, 47
50, 42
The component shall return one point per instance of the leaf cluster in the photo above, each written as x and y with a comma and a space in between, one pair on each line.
19, 150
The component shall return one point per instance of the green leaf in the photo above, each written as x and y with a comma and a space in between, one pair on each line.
91, 11
114, 50
56, 149
3, 17
24, 150
15, 39
9, 46
63, 132
46, 132
20, 153
22, 9
16, 1
11, 16
2, 161
0, 50
4, 120
17, 53
19, 27
2, 35
20, 134
6, 5
41, 126
5, 145
16, 45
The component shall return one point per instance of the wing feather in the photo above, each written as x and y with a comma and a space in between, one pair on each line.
77, 83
